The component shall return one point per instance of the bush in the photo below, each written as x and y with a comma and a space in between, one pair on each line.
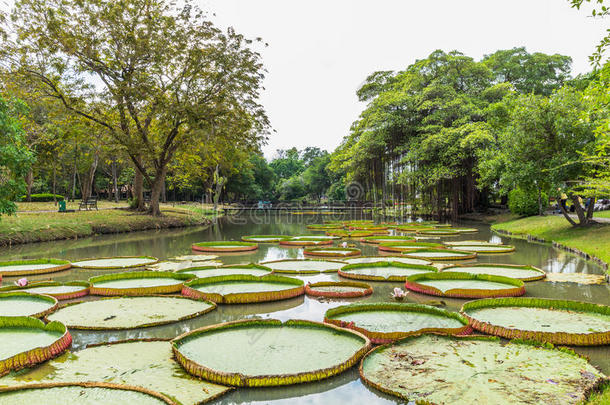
43, 197
525, 202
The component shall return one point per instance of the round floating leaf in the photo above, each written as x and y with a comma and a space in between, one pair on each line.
309, 240
546, 320
464, 230
130, 312
579, 278
331, 252
406, 246
26, 341
242, 289
268, 352
488, 249
324, 227
146, 364
224, 246
120, 262
264, 238
375, 259
384, 322
81, 393
338, 289
304, 266
230, 270
440, 254
384, 271
385, 239
450, 369
521, 272
195, 258
138, 283
16, 268
471, 243
61, 291
18, 303
439, 232
465, 285
184, 265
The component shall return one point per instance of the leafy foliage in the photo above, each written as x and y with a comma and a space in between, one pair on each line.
525, 203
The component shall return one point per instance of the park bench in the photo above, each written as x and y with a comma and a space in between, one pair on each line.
88, 203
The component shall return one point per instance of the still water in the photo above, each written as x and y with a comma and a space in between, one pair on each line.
346, 387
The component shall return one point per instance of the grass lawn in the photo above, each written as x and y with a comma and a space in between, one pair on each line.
602, 214
71, 205
26, 227
594, 240
600, 398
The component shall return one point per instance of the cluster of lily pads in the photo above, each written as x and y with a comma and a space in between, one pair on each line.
390, 341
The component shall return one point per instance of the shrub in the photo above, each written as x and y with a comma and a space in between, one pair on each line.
43, 197
525, 202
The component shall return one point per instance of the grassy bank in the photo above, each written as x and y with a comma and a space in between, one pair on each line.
27, 227
594, 240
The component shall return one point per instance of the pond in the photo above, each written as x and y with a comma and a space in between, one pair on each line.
346, 387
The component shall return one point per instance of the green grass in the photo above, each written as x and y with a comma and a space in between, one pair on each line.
602, 214
71, 205
26, 227
594, 239
601, 397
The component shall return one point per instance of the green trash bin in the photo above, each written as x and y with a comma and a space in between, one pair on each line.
62, 206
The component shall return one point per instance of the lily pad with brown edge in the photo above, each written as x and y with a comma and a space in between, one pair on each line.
579, 278
60, 291
398, 247
119, 313
138, 283
243, 288
385, 258
384, 271
384, 239
471, 243
16, 268
304, 266
194, 258
435, 254
268, 352
486, 250
518, 271
555, 321
142, 363
19, 303
224, 246
349, 234
119, 262
26, 341
264, 238
82, 393
438, 232
338, 289
442, 369
385, 322
465, 285
183, 265
331, 252
324, 227
228, 270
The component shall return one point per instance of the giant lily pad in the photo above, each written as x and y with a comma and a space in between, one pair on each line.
471, 243
438, 232
521, 272
406, 246
579, 278
182, 265
146, 364
18, 303
488, 249
268, 352
375, 259
224, 246
309, 240
338, 289
61, 291
264, 238
440, 254
387, 238
546, 320
349, 234
480, 370
331, 252
28, 267
130, 312
384, 322
138, 283
25, 341
121, 262
463, 230
384, 271
215, 271
195, 258
465, 285
324, 227
81, 393
242, 289
304, 266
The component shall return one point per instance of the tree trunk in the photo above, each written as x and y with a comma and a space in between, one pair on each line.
54, 183
582, 218
455, 199
540, 211
565, 213
138, 187
29, 182
87, 180
590, 209
155, 192
115, 183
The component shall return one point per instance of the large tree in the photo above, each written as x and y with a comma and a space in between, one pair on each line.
165, 76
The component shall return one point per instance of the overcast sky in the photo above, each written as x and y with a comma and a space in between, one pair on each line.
321, 51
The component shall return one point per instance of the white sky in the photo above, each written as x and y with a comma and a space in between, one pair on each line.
321, 51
